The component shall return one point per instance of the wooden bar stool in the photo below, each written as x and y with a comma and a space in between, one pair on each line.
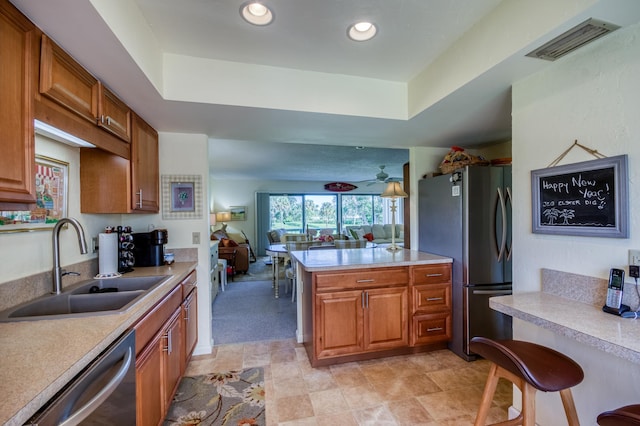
530, 367
628, 415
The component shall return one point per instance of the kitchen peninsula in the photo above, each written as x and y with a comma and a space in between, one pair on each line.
367, 303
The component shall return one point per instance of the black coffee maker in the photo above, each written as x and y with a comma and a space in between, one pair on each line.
149, 247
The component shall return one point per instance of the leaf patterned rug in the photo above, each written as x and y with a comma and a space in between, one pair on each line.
226, 398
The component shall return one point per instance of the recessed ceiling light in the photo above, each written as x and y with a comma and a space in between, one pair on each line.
256, 13
362, 31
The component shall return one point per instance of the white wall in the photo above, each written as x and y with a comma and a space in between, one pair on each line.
186, 154
592, 96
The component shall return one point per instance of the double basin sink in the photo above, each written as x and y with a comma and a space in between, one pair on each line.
91, 297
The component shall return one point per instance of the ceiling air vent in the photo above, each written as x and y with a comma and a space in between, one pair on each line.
576, 37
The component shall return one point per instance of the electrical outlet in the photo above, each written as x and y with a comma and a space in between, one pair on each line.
195, 237
634, 271
94, 244
634, 257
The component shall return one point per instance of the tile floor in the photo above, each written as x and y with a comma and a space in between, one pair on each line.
435, 388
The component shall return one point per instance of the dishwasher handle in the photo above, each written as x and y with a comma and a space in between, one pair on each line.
84, 411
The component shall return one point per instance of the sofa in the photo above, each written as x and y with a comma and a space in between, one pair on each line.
229, 243
379, 234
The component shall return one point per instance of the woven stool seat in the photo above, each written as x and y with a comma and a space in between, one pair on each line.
531, 367
624, 416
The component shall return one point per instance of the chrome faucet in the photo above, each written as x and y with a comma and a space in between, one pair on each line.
57, 272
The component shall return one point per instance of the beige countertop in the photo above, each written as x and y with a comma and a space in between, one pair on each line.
583, 322
328, 260
40, 357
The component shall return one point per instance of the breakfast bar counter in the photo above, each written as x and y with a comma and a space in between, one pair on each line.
583, 322
40, 357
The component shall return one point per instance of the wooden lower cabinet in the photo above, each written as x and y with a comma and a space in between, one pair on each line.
149, 401
165, 339
356, 321
371, 312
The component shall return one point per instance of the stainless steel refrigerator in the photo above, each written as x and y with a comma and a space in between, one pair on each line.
466, 215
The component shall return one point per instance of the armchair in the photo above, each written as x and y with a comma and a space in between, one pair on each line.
228, 246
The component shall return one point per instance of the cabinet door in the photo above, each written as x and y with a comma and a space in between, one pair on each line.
190, 315
149, 399
338, 323
66, 82
386, 313
145, 168
172, 354
113, 114
17, 161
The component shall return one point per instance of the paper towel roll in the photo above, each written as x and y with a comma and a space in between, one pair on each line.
108, 254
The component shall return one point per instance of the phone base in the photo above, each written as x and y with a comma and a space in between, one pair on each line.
616, 311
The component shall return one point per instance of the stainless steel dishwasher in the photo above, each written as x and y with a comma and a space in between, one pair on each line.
104, 393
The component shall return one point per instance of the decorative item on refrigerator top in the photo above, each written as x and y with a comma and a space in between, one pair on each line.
149, 247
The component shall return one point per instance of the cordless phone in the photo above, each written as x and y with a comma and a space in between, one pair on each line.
614, 304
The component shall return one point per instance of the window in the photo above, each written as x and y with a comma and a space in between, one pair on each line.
296, 213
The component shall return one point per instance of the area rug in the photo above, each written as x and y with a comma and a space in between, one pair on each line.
227, 398
260, 270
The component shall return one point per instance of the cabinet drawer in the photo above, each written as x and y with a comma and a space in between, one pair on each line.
431, 328
432, 274
362, 279
431, 297
149, 325
189, 284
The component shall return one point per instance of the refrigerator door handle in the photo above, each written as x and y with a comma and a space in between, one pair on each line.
495, 292
503, 209
509, 246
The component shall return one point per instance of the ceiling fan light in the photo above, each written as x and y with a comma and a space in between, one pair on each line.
362, 31
256, 13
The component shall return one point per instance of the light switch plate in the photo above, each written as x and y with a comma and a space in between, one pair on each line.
455, 191
195, 237
634, 257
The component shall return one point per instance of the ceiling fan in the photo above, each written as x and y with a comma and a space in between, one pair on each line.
381, 177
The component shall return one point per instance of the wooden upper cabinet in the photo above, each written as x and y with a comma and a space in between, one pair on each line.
17, 161
113, 114
145, 167
66, 82
70, 85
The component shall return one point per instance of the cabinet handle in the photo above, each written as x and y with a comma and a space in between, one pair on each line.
365, 281
434, 329
187, 310
102, 119
169, 347
362, 300
433, 275
108, 121
139, 194
433, 299
367, 299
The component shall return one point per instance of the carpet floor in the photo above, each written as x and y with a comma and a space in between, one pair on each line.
226, 398
248, 312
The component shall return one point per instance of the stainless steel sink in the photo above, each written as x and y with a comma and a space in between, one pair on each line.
92, 297
118, 284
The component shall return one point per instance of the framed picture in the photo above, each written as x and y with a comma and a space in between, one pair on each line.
238, 212
52, 202
587, 199
181, 197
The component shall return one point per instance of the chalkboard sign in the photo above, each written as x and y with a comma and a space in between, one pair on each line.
585, 199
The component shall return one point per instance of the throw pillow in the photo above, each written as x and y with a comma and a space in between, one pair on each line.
368, 237
378, 232
358, 234
231, 243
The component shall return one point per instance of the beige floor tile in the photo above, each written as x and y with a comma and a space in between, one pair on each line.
375, 416
294, 408
285, 370
349, 377
339, 419
361, 396
409, 412
378, 371
319, 380
328, 402
289, 387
